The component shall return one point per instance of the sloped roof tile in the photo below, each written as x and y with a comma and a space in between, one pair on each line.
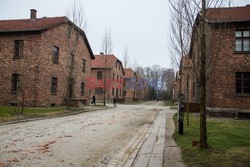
31, 25
231, 14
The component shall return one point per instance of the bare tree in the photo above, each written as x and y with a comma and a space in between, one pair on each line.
126, 58
76, 14
76, 24
106, 49
135, 64
190, 28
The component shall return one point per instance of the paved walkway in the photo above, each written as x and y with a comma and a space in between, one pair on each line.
151, 147
152, 150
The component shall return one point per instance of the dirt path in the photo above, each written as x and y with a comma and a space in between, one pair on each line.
88, 139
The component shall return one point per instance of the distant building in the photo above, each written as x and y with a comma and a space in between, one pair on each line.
35, 61
131, 80
109, 68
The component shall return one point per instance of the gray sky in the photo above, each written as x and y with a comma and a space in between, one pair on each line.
141, 25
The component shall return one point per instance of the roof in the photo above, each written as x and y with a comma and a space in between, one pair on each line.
129, 73
39, 24
99, 61
231, 14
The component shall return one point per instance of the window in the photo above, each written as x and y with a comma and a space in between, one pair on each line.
117, 78
113, 91
113, 76
71, 61
242, 41
99, 74
120, 92
55, 55
15, 83
119, 67
83, 65
53, 85
116, 65
82, 89
99, 90
116, 92
120, 79
18, 49
243, 83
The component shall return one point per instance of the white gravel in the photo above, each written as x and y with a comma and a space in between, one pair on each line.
87, 139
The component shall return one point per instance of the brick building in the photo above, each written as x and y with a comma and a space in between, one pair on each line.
228, 60
130, 80
36, 61
109, 68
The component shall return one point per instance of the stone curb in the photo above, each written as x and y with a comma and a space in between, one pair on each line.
54, 116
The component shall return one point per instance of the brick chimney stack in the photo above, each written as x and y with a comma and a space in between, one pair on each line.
33, 14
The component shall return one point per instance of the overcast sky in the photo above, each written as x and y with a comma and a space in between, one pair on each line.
141, 25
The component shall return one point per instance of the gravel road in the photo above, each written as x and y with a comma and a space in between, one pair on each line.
87, 139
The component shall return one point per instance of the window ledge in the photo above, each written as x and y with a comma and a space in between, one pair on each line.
241, 52
53, 94
242, 95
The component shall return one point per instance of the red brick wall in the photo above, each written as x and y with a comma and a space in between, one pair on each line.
28, 66
109, 75
131, 91
38, 68
222, 85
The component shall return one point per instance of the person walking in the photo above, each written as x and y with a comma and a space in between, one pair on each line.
114, 102
93, 100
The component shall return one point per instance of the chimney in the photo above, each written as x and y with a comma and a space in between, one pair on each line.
33, 14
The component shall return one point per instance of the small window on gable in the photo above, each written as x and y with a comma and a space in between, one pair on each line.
18, 49
83, 65
55, 55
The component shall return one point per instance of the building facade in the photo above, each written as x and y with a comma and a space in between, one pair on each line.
130, 81
228, 63
106, 69
38, 65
